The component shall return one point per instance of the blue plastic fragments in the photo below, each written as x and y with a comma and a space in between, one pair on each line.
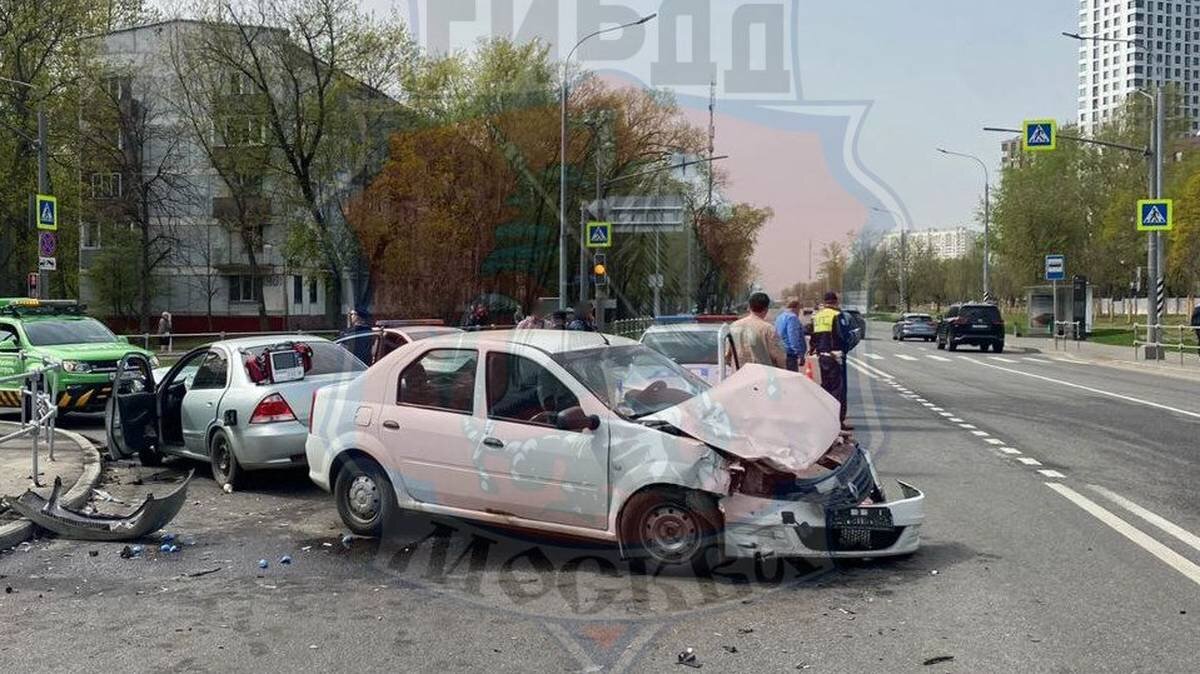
262, 564
285, 560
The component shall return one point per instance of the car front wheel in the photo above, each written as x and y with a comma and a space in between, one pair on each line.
670, 526
998, 348
365, 497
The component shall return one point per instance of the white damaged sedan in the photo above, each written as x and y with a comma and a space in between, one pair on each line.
595, 436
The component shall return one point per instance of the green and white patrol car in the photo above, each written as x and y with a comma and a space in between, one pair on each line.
59, 330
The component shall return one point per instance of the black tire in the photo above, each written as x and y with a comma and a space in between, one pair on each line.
951, 345
150, 457
225, 467
670, 526
366, 500
983, 348
998, 348
940, 345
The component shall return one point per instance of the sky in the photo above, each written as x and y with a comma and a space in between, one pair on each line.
873, 87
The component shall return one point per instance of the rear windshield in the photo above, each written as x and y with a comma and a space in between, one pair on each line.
990, 314
687, 347
919, 318
329, 358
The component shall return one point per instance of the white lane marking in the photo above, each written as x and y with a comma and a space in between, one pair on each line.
1039, 360
1053, 473
1010, 451
879, 372
956, 420
1028, 461
936, 409
982, 434
862, 369
929, 405
967, 426
994, 441
946, 414
1002, 359
1151, 517
1137, 536
940, 359
1089, 389
873, 356
902, 356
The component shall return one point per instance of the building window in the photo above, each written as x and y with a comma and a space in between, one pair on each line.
243, 288
89, 236
106, 185
239, 131
312, 291
297, 290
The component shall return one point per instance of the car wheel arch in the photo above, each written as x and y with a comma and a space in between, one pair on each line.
685, 493
346, 456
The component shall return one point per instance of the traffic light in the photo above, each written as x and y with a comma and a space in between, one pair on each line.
600, 270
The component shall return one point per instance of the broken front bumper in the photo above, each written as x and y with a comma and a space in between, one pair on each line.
821, 522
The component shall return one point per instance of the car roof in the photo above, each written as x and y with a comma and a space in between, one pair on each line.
550, 341
266, 340
684, 327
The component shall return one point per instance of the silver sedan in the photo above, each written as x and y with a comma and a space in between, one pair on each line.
239, 404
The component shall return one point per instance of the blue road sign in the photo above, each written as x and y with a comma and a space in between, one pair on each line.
1040, 135
599, 235
47, 212
1056, 267
1156, 215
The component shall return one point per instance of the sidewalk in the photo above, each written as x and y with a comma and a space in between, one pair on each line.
77, 462
1111, 356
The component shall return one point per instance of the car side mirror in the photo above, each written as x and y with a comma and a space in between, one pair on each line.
575, 419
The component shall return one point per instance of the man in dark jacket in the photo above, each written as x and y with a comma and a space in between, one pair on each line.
1196, 322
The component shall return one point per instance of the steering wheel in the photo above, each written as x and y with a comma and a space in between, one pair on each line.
545, 417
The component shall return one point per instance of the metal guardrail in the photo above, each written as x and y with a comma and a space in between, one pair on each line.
1060, 333
38, 410
164, 344
1150, 341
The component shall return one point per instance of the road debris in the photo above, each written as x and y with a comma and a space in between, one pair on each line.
131, 551
938, 660
262, 564
152, 515
730, 649
285, 560
688, 658
228, 488
202, 572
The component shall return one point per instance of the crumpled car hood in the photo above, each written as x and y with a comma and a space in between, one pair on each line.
762, 414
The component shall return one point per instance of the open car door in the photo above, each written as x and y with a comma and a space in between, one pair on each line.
364, 345
131, 421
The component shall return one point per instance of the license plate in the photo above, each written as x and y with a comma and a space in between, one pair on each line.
872, 519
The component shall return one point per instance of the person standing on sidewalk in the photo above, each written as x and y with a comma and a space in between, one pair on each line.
1196, 322
791, 333
164, 331
754, 337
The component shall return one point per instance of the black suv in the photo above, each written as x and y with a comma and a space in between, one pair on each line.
976, 324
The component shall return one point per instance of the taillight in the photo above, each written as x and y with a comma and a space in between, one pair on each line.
312, 410
271, 410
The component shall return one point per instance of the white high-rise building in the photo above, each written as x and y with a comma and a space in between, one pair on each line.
1165, 51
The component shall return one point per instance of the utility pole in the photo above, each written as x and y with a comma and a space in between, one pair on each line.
43, 188
1157, 283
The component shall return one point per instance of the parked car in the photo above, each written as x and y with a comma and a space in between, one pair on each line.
60, 330
599, 437
371, 345
919, 326
973, 324
240, 404
695, 346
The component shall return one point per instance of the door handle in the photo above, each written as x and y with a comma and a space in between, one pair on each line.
493, 443
391, 425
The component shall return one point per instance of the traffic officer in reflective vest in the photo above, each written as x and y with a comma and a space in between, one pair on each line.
828, 345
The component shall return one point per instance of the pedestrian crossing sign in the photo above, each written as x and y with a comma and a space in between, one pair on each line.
47, 212
1155, 215
1041, 135
599, 235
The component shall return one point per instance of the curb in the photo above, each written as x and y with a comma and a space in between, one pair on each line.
15, 533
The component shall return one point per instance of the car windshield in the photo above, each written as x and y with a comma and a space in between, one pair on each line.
633, 381
686, 347
68, 331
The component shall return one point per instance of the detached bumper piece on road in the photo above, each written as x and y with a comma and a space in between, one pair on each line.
152, 515
829, 516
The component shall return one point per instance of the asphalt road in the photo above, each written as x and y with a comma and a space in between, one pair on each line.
1019, 570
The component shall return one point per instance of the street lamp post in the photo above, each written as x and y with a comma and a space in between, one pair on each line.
562, 176
43, 174
987, 216
1155, 285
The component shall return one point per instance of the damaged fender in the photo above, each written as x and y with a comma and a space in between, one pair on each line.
152, 515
